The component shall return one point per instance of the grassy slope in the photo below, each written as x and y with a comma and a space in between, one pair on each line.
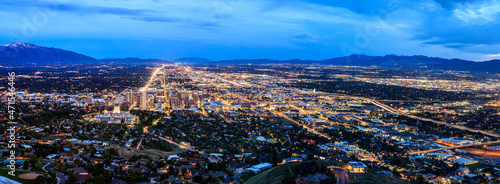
476, 166
273, 175
278, 173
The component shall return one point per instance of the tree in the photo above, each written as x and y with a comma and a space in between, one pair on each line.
198, 179
39, 165
171, 170
333, 179
26, 165
184, 171
420, 179
164, 177
395, 172
71, 177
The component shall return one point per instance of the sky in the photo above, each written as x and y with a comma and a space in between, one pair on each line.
244, 29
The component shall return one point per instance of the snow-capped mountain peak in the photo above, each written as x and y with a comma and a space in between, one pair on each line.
20, 45
21, 53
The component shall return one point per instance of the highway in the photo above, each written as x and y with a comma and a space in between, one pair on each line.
415, 101
453, 147
395, 111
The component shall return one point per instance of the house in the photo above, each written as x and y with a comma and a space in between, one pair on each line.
117, 181
140, 169
356, 167
152, 176
259, 167
97, 160
110, 167
214, 159
173, 157
260, 138
342, 159
83, 176
77, 170
174, 181
463, 171
428, 176
188, 167
51, 156
406, 174
219, 174
291, 159
183, 161
196, 172
463, 161
322, 156
238, 168
312, 179
388, 173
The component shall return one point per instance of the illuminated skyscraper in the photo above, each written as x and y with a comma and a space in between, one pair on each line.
144, 100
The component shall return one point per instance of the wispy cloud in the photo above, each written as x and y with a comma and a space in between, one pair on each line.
478, 13
309, 29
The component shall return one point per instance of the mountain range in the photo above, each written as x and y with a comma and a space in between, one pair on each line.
18, 54
26, 54
387, 61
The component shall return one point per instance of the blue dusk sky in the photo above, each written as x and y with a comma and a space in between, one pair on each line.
274, 29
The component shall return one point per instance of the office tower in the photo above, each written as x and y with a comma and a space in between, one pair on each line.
144, 100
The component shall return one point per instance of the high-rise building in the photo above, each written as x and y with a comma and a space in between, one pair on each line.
196, 100
119, 99
129, 96
144, 100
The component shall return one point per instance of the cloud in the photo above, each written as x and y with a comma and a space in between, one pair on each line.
451, 4
478, 13
368, 7
463, 25
269, 28
73, 7
306, 37
157, 19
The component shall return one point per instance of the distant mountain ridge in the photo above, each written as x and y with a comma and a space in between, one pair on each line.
387, 61
132, 60
18, 54
192, 60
